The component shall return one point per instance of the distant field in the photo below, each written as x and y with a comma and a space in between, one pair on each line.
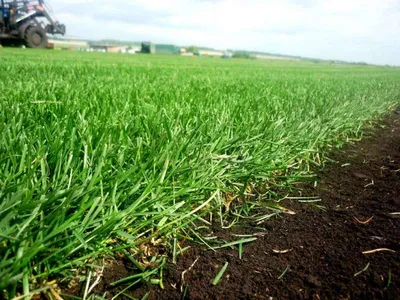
104, 154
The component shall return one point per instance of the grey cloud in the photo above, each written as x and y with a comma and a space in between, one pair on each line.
126, 14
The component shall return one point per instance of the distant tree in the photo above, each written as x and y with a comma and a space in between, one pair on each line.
242, 54
192, 49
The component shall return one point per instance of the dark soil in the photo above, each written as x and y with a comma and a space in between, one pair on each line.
325, 243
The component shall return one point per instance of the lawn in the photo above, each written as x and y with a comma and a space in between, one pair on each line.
106, 155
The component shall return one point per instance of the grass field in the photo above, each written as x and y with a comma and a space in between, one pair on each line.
104, 155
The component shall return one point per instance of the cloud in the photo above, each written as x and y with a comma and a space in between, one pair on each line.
356, 30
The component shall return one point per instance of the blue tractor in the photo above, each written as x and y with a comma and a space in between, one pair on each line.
27, 22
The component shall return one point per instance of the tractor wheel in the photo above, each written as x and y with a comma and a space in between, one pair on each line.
35, 37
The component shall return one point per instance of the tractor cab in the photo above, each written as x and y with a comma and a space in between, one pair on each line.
9, 12
4, 14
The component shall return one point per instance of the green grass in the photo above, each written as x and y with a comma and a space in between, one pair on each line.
106, 154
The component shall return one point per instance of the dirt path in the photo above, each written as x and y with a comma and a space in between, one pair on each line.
325, 246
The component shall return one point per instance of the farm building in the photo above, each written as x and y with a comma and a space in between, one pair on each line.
206, 52
217, 53
227, 54
67, 44
148, 47
108, 48
116, 49
166, 49
133, 49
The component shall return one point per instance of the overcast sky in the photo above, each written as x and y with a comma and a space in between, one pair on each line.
352, 30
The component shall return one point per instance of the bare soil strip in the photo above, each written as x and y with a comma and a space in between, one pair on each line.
345, 247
